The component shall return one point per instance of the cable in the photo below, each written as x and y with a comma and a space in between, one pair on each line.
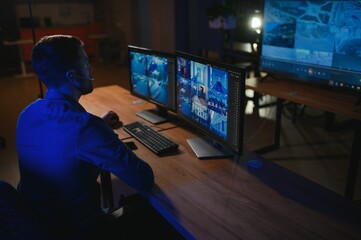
41, 95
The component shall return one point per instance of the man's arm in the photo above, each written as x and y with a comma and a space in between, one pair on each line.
99, 145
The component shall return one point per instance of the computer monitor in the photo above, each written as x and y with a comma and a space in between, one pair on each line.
210, 96
152, 78
314, 41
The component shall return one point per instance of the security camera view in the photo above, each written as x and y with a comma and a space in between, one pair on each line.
149, 76
203, 94
319, 40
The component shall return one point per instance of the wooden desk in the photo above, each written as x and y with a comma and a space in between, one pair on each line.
316, 97
310, 95
224, 199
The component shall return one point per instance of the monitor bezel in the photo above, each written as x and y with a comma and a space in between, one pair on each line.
150, 51
291, 76
197, 125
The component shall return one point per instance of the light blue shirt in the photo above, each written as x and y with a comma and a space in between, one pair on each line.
61, 149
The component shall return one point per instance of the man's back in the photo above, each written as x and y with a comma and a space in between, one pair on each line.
52, 176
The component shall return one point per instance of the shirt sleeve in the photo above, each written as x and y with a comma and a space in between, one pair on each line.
100, 146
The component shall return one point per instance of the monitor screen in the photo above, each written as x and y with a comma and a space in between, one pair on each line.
314, 41
210, 96
152, 78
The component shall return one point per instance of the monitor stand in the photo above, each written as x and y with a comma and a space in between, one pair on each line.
205, 147
155, 116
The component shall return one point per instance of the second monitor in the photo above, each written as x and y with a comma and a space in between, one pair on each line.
152, 78
210, 96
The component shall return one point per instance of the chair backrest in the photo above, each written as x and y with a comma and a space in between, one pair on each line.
17, 219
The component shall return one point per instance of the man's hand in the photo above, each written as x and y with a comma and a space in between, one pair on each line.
112, 119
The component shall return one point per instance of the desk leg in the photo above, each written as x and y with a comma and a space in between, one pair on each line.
278, 122
2, 142
329, 121
354, 159
277, 135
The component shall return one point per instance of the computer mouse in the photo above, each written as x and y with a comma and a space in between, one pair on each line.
118, 124
114, 122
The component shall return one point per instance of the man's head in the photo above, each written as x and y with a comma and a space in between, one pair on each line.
61, 60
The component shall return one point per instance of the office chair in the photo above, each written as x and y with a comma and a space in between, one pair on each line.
17, 218
19, 221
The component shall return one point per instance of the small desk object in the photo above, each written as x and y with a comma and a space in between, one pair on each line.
19, 43
229, 198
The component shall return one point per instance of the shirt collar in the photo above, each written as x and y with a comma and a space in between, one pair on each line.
53, 94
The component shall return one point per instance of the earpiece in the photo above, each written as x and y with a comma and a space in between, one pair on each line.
76, 76
81, 77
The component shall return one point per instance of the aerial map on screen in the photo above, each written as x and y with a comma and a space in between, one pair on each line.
323, 34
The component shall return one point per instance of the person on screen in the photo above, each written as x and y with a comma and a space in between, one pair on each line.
62, 147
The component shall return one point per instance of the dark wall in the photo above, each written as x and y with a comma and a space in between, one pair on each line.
9, 55
141, 23
193, 34
181, 25
8, 23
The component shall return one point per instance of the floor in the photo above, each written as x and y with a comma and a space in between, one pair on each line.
306, 147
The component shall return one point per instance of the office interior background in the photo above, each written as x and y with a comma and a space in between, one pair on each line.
108, 26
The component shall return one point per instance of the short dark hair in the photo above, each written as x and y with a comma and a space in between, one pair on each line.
53, 55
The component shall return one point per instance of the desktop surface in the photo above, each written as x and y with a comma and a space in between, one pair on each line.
311, 95
226, 199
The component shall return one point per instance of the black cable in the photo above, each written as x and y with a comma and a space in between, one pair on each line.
358, 102
2, 143
41, 95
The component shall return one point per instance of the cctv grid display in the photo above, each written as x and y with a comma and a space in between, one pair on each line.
152, 76
210, 95
315, 41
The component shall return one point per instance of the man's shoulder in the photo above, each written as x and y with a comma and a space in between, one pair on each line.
58, 109
33, 106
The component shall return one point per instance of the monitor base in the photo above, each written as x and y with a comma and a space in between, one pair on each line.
205, 148
155, 116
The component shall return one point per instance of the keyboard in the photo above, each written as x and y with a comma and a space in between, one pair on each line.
153, 140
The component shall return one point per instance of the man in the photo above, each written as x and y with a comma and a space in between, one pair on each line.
62, 147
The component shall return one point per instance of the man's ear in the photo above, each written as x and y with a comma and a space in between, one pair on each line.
70, 74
